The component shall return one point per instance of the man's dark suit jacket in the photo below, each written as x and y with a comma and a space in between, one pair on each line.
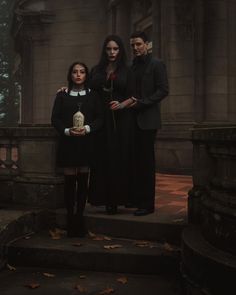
154, 87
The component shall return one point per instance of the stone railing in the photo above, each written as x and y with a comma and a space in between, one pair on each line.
28, 174
209, 241
214, 188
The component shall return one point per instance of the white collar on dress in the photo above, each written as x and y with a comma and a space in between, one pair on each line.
76, 93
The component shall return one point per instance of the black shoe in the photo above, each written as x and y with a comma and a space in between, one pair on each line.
111, 209
142, 212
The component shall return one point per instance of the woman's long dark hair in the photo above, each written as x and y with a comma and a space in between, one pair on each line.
121, 58
69, 79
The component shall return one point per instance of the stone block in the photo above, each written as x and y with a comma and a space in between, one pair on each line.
38, 193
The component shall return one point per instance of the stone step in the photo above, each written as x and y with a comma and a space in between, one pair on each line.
130, 256
156, 227
206, 266
68, 282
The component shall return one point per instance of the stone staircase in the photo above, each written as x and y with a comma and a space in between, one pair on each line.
119, 245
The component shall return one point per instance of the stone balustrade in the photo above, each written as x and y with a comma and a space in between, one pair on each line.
209, 241
28, 173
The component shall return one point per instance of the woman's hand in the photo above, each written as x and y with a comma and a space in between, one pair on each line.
128, 103
75, 131
115, 105
62, 89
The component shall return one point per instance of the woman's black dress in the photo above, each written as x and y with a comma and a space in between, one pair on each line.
75, 151
112, 170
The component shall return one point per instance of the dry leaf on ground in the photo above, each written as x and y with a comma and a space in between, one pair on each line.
55, 235
48, 275
122, 280
80, 288
12, 268
91, 235
32, 285
107, 291
142, 244
168, 247
101, 238
110, 247
107, 238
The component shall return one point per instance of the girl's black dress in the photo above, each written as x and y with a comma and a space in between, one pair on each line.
112, 170
75, 151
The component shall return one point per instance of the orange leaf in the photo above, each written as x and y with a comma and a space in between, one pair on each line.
110, 247
101, 238
80, 288
12, 268
168, 247
142, 244
107, 291
91, 235
32, 285
49, 275
54, 235
107, 238
77, 244
98, 238
122, 280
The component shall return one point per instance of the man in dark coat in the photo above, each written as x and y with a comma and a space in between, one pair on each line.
151, 86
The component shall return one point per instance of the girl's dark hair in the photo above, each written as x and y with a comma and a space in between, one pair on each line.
69, 79
121, 58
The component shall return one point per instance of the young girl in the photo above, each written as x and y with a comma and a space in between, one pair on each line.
74, 144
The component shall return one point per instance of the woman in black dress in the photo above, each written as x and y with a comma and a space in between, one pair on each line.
74, 144
111, 173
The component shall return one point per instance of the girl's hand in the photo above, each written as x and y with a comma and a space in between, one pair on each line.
75, 131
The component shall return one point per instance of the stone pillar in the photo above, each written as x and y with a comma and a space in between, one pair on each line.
216, 62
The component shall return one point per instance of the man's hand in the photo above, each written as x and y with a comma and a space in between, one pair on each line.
75, 131
133, 102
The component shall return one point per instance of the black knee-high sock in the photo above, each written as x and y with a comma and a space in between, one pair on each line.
69, 196
82, 192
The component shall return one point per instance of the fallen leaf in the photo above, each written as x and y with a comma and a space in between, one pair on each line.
107, 238
122, 280
49, 275
109, 247
54, 235
32, 285
142, 244
98, 238
80, 288
107, 291
82, 277
77, 244
12, 268
101, 238
91, 235
168, 247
